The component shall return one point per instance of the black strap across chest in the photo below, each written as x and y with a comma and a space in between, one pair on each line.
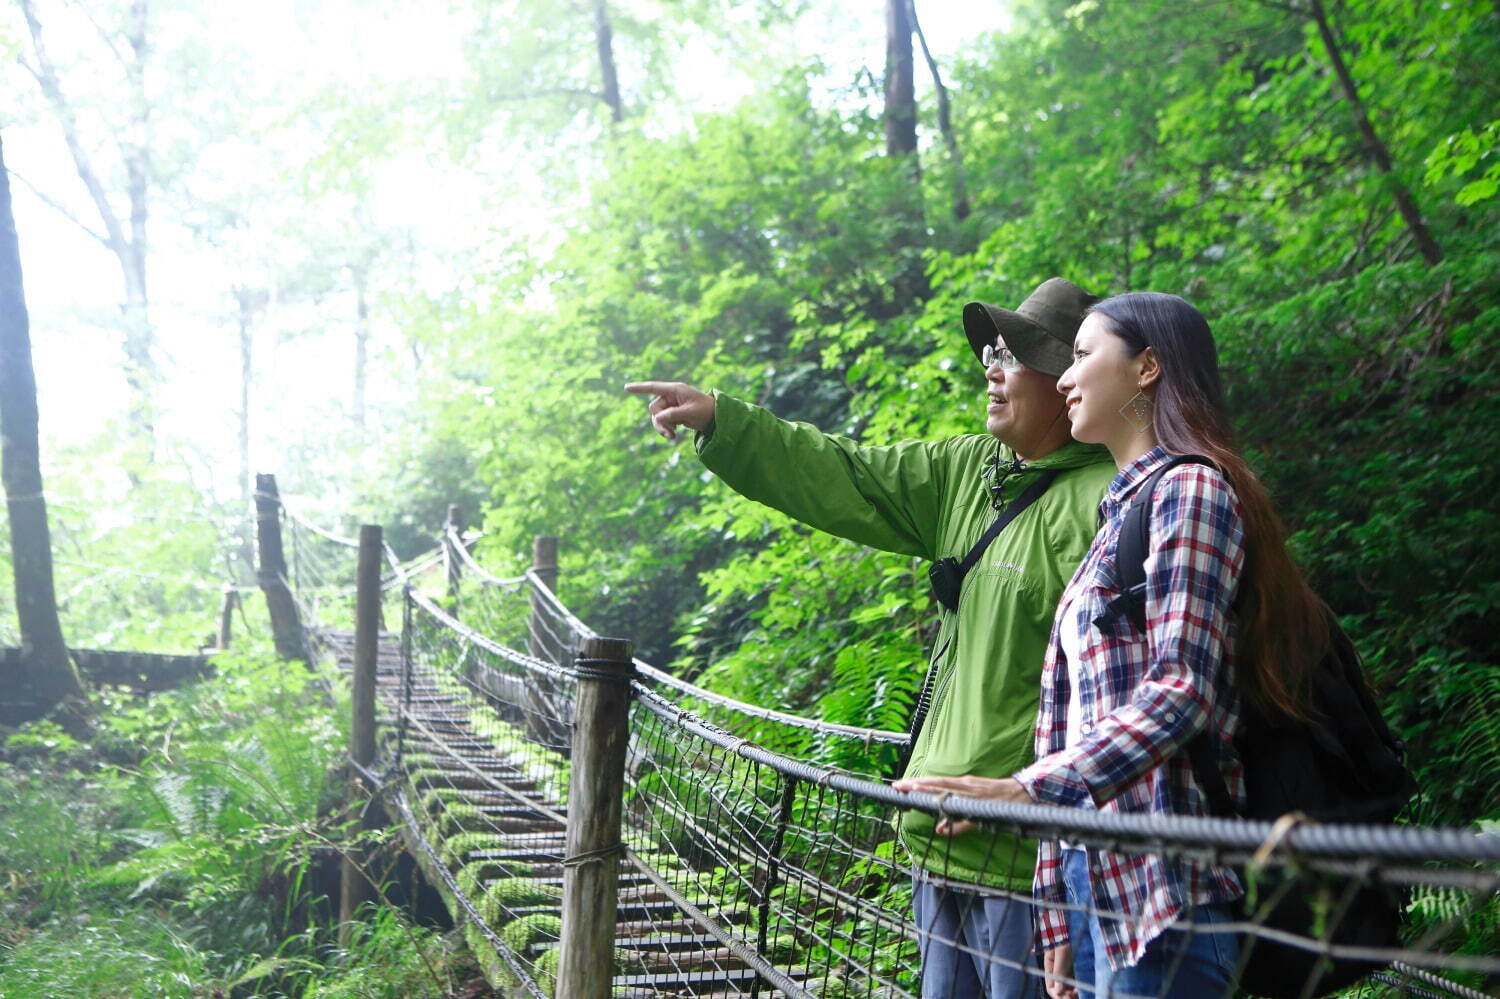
1014, 509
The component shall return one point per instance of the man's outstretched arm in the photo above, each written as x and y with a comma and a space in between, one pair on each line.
887, 497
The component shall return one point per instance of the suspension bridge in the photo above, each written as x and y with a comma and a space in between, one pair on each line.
742, 850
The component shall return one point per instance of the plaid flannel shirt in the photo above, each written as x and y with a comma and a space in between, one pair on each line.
1143, 698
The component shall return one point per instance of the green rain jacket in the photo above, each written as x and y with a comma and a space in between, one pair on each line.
929, 499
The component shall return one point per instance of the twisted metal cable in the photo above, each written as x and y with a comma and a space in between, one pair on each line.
1308, 841
460, 546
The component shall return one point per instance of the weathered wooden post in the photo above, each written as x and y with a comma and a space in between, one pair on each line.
226, 615
356, 888
452, 533
544, 564
286, 624
596, 791
545, 708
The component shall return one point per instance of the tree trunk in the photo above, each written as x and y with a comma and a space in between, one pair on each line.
361, 347
49, 674
247, 301
127, 244
140, 367
1375, 149
945, 121
909, 281
608, 76
900, 81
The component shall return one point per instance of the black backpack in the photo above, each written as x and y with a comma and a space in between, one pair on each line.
1343, 766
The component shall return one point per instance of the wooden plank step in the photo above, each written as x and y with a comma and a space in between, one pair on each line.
521, 854
556, 879
718, 959
501, 803
444, 718
690, 983
518, 826
667, 942
627, 910
463, 780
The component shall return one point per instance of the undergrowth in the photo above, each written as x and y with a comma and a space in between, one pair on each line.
192, 848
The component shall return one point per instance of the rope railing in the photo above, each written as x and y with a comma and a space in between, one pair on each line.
747, 870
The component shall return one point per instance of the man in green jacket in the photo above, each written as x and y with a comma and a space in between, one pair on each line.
934, 499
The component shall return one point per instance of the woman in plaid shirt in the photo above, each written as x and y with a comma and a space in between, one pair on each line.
1228, 617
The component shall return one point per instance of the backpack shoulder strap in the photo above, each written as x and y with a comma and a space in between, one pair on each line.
1134, 543
1131, 548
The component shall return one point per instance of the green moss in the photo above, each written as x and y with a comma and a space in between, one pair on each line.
508, 894
527, 931
456, 848
460, 816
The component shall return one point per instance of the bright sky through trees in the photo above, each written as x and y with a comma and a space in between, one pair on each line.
276, 59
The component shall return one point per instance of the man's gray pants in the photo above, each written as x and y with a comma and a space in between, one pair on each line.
974, 944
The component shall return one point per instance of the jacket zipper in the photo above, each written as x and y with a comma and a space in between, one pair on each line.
942, 687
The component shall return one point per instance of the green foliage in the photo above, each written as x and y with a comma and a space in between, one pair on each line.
1460, 154
105, 955
387, 958
187, 858
140, 555
765, 252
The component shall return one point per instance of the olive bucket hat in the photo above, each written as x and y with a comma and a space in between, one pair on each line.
1040, 333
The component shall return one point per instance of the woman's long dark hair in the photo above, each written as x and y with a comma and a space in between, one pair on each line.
1284, 629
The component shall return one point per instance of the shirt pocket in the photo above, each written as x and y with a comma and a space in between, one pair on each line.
1101, 588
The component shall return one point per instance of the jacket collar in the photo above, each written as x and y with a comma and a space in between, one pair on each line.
1071, 455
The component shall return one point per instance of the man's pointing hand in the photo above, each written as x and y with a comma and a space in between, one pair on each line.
674, 405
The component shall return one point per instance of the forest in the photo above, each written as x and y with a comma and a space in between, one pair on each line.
406, 259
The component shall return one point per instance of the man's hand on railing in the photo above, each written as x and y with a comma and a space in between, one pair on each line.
673, 405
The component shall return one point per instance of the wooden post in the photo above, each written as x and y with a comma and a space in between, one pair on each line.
452, 528
596, 790
226, 615
544, 564
356, 888
286, 625
542, 705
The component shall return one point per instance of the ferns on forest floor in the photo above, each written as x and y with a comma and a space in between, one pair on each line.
196, 867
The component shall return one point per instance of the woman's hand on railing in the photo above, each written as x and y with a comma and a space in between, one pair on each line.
673, 405
994, 788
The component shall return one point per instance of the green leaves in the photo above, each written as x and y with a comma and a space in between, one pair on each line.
1460, 154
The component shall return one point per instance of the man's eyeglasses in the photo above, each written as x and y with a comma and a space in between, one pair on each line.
999, 355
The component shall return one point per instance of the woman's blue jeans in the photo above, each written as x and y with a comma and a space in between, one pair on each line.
1179, 964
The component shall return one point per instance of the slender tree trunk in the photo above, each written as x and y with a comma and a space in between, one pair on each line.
125, 238
900, 81
140, 367
945, 120
910, 280
361, 347
50, 676
608, 75
247, 302
1375, 149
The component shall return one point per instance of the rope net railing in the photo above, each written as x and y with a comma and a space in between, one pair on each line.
785, 865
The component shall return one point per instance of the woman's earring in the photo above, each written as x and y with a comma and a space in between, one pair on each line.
1137, 412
